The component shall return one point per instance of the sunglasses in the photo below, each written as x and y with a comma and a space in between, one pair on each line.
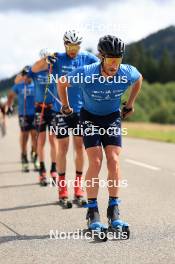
72, 47
112, 61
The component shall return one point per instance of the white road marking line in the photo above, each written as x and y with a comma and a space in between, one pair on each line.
142, 164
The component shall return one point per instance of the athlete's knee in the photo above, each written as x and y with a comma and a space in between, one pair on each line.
113, 162
95, 163
25, 135
79, 147
52, 140
63, 148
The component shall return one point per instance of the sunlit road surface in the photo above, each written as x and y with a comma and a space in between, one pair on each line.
28, 212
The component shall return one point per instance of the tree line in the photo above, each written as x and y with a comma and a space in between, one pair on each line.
153, 70
155, 103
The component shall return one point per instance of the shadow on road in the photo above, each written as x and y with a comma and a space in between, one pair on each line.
27, 207
6, 239
18, 185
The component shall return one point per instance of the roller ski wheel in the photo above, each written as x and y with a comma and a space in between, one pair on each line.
43, 182
65, 203
120, 229
43, 179
98, 233
79, 201
25, 167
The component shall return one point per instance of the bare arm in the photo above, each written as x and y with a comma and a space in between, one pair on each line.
11, 97
62, 90
134, 93
19, 78
128, 109
40, 65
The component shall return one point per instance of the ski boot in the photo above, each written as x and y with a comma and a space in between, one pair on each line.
79, 193
95, 227
116, 226
54, 177
36, 163
25, 163
42, 178
32, 155
63, 194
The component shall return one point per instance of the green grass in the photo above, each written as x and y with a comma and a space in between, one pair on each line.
150, 131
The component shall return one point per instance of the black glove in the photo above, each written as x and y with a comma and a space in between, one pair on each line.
66, 110
125, 110
25, 71
10, 110
51, 59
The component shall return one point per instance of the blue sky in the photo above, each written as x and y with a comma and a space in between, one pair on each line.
28, 26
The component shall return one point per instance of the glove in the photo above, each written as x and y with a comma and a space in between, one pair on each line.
10, 110
66, 110
126, 110
25, 71
51, 59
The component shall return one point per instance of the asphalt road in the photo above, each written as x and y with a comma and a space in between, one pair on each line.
28, 212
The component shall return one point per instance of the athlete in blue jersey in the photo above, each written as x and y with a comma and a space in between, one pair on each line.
63, 63
102, 84
25, 93
44, 100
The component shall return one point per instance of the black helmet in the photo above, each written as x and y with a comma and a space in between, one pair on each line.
111, 46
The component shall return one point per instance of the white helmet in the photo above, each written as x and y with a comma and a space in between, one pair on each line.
72, 36
43, 53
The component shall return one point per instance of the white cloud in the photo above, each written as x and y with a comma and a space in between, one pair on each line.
24, 34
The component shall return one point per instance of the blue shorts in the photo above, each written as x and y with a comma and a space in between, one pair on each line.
68, 125
101, 130
26, 123
48, 119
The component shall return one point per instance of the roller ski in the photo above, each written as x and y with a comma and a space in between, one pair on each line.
95, 227
54, 177
42, 178
36, 163
116, 226
79, 201
25, 163
64, 202
79, 194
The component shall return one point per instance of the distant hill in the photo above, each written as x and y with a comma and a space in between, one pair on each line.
159, 41
154, 56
